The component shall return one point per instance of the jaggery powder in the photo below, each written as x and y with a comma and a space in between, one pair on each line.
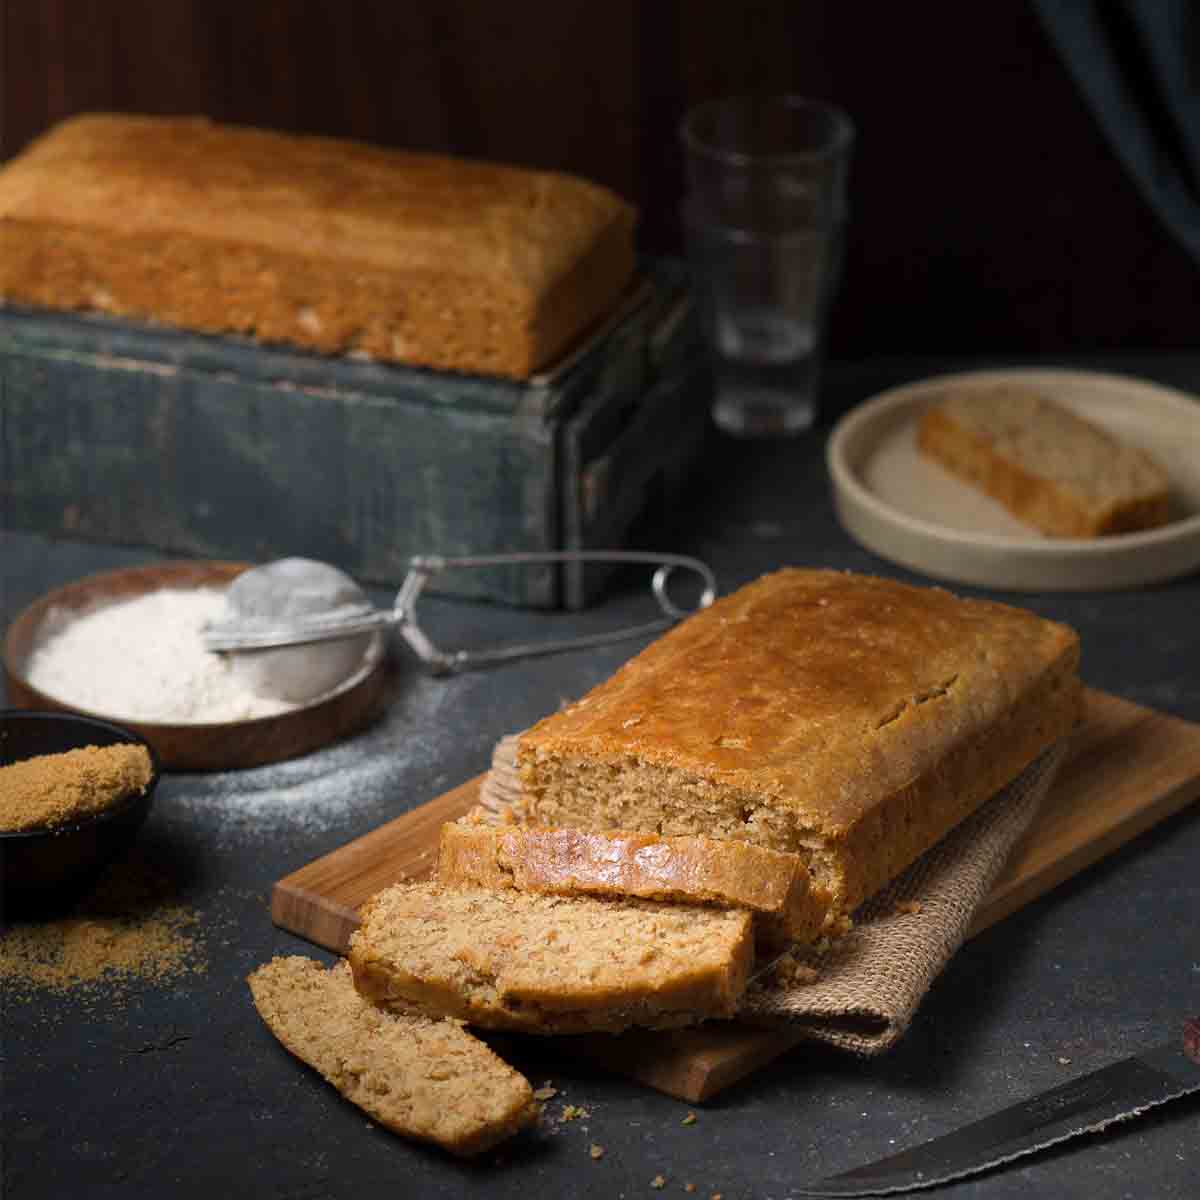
54, 789
129, 929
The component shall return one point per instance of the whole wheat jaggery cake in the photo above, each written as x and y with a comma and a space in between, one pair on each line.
316, 242
851, 719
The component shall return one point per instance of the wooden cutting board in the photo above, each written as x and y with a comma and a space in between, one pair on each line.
1128, 768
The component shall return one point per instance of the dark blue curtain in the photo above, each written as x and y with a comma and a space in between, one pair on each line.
1137, 64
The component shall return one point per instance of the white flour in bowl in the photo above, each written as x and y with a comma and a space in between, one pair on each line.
142, 659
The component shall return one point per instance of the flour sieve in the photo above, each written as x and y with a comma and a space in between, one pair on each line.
348, 620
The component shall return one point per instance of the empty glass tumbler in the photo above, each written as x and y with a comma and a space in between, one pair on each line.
765, 216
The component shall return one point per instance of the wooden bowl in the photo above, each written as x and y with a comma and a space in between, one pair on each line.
196, 747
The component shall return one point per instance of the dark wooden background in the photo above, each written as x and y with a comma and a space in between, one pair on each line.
989, 214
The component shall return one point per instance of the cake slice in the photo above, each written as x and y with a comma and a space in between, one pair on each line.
504, 959
1050, 468
422, 1077
684, 870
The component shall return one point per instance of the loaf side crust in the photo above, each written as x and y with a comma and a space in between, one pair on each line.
550, 964
690, 870
320, 243
1050, 468
851, 719
421, 1077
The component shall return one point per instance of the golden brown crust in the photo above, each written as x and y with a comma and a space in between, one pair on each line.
848, 718
320, 243
1048, 467
421, 1077
550, 964
689, 870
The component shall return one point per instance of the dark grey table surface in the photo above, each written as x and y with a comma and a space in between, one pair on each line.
179, 1090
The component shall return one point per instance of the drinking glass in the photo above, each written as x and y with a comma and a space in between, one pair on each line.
764, 218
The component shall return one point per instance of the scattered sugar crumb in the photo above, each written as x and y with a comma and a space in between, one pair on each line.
596, 1151
574, 1112
131, 928
1064, 1061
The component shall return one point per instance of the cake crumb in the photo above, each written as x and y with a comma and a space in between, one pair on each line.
658, 1182
908, 906
690, 1119
574, 1112
596, 1151
788, 971
545, 1093
689, 1187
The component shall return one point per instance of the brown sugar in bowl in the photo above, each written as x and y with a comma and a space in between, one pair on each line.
51, 864
215, 746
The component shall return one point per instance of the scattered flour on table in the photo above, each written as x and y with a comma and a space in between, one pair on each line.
347, 786
143, 659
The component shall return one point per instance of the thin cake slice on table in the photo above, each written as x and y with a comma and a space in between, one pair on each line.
848, 719
422, 1077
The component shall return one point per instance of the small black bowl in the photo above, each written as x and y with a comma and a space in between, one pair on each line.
48, 867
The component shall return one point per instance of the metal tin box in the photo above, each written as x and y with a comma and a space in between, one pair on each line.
221, 448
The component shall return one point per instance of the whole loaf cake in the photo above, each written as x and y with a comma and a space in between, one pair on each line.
314, 242
848, 719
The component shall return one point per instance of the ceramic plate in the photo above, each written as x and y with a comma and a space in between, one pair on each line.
910, 510
197, 747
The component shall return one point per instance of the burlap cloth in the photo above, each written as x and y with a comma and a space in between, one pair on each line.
860, 992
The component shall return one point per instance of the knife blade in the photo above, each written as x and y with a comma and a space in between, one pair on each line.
1084, 1105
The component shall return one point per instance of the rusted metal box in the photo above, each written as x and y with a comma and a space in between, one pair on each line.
220, 448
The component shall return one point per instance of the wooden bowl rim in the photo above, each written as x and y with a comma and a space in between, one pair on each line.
192, 745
